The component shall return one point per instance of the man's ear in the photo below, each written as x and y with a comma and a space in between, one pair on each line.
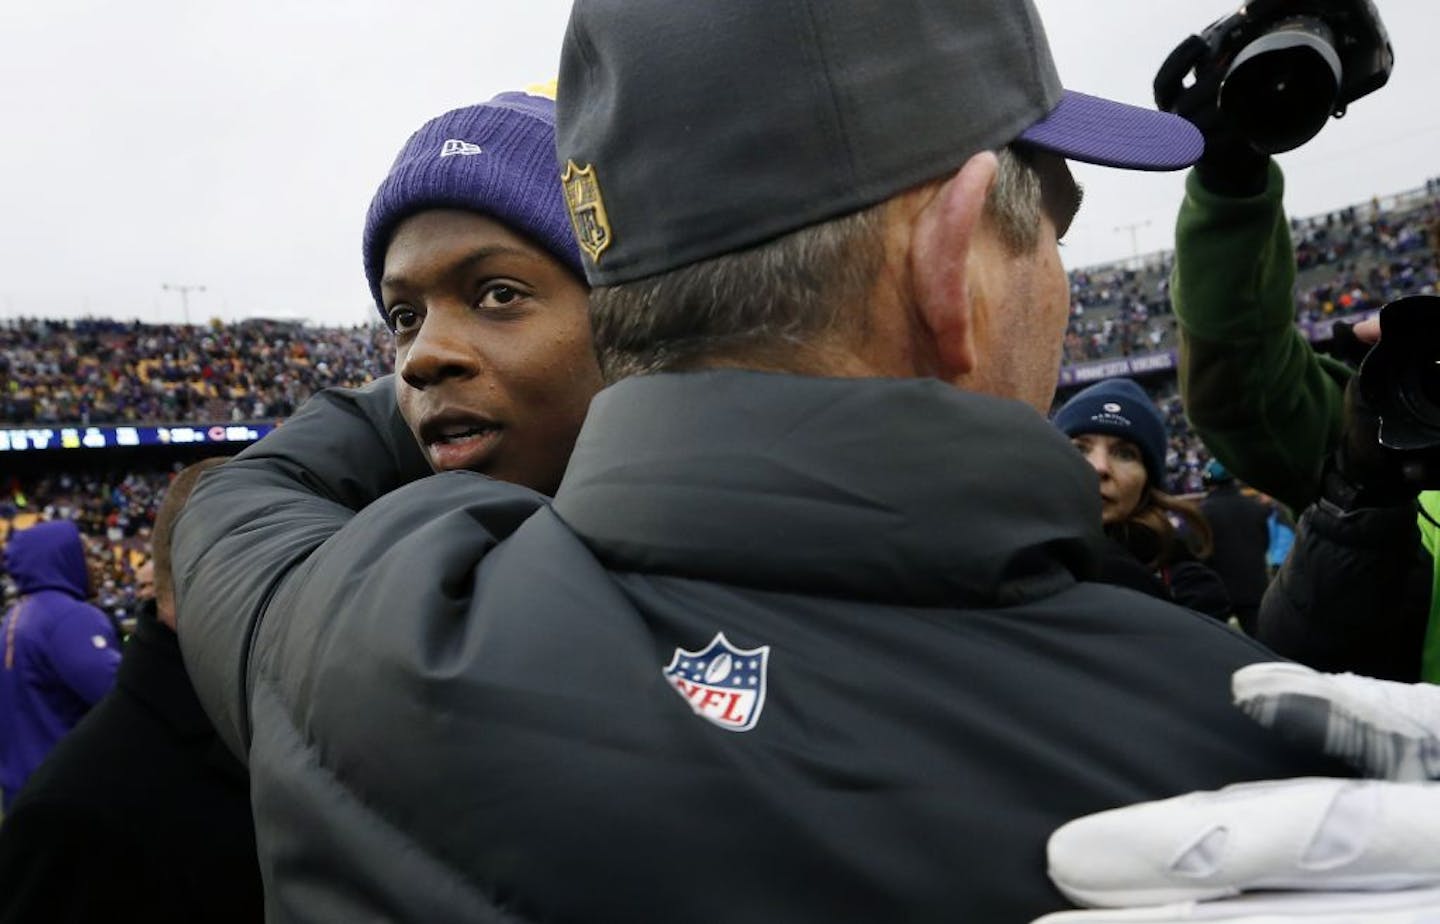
165, 609
942, 237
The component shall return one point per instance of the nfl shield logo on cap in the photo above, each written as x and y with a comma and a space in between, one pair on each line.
723, 684
587, 209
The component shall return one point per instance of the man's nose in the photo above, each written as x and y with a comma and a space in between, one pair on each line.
441, 349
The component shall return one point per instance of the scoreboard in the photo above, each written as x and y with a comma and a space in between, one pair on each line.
26, 439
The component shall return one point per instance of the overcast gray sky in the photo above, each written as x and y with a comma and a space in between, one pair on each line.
235, 146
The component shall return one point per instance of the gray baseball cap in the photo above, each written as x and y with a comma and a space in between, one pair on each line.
691, 128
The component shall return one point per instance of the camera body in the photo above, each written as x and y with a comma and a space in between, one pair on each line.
1400, 377
1276, 70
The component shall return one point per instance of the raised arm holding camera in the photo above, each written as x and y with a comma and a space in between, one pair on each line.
1355, 591
1259, 82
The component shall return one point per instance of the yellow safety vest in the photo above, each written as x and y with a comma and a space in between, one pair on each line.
1430, 535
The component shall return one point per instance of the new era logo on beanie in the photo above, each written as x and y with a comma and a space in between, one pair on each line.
1119, 407
715, 126
496, 158
454, 146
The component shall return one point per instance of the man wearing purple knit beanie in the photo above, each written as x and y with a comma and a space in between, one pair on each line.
470, 256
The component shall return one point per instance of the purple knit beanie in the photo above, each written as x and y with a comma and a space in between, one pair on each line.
496, 158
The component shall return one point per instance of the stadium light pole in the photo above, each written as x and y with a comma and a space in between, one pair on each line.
1132, 228
184, 297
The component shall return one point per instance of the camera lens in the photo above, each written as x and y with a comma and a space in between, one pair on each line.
1282, 87
1420, 387
1400, 377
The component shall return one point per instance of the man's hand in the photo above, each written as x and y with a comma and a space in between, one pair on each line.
1315, 850
1361, 472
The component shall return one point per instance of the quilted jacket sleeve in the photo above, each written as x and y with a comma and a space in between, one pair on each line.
251, 521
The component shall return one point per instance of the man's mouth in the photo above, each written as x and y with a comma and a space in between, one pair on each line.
459, 434
460, 442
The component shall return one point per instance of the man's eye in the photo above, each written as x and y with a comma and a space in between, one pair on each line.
403, 319
500, 295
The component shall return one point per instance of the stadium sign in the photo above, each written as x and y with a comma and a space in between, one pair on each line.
23, 439
1167, 360
1084, 373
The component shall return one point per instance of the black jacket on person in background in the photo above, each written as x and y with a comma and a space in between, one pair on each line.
139, 814
1354, 593
782, 649
1180, 579
1241, 527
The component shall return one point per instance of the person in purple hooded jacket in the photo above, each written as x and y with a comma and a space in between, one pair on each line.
58, 654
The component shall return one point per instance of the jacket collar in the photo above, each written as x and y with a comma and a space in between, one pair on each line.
901, 490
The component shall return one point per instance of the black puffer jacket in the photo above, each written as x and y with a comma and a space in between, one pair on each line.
783, 649
1354, 594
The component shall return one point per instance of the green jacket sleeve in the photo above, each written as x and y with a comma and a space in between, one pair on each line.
1264, 402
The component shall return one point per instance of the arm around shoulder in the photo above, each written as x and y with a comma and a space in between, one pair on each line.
251, 521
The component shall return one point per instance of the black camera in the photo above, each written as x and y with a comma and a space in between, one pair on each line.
1400, 377
1277, 69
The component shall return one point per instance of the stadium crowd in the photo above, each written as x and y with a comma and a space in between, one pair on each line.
113, 504
1118, 310
1347, 262
95, 371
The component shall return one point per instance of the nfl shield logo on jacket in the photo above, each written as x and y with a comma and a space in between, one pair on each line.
722, 683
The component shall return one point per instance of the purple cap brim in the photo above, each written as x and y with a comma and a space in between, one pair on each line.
1101, 131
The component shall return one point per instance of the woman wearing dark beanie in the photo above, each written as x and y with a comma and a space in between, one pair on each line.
1120, 432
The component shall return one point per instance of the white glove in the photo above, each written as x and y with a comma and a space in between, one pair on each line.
1328, 850
1388, 731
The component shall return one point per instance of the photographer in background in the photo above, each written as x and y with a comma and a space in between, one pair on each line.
1355, 591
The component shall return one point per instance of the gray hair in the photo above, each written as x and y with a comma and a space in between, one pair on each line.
780, 296
1015, 202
